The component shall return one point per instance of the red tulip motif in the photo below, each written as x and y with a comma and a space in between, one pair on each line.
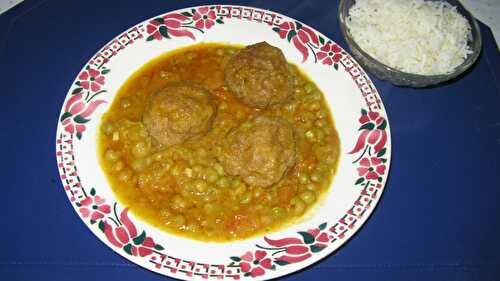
373, 132
181, 24
170, 25
125, 236
77, 112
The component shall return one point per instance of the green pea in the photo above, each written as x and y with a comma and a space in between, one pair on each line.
175, 171
200, 185
211, 175
158, 156
118, 166
246, 125
165, 212
303, 178
143, 132
258, 207
220, 170
309, 87
315, 95
266, 220
310, 135
240, 114
138, 164
223, 182
316, 176
299, 90
297, 206
315, 106
246, 198
112, 155
290, 107
311, 187
125, 103
188, 172
178, 221
197, 170
211, 208
192, 227
308, 197
307, 116
179, 203
258, 192
125, 175
322, 168
107, 128
133, 134
242, 188
320, 135
321, 123
201, 152
321, 114
208, 197
278, 211
236, 182
140, 149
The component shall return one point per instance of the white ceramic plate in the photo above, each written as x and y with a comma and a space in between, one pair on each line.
356, 106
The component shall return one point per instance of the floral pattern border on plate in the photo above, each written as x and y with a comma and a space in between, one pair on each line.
271, 254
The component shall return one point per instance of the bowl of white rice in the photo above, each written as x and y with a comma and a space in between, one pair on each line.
415, 43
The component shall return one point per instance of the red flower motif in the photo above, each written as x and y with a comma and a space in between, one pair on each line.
372, 132
298, 38
294, 253
330, 53
173, 23
255, 267
91, 79
94, 207
371, 168
125, 236
168, 25
76, 113
320, 238
153, 29
371, 116
204, 18
284, 28
297, 250
307, 35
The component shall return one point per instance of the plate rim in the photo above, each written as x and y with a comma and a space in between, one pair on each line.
296, 266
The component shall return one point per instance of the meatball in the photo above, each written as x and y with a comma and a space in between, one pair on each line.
260, 150
259, 76
178, 112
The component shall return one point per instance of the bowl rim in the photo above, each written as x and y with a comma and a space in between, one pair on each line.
468, 62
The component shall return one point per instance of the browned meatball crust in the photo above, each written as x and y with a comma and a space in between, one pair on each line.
259, 76
178, 112
260, 150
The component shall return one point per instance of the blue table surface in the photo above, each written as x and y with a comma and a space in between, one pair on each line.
438, 219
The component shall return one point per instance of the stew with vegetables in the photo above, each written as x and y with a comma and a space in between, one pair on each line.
216, 142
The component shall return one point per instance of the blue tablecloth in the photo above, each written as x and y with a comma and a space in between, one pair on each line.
438, 219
